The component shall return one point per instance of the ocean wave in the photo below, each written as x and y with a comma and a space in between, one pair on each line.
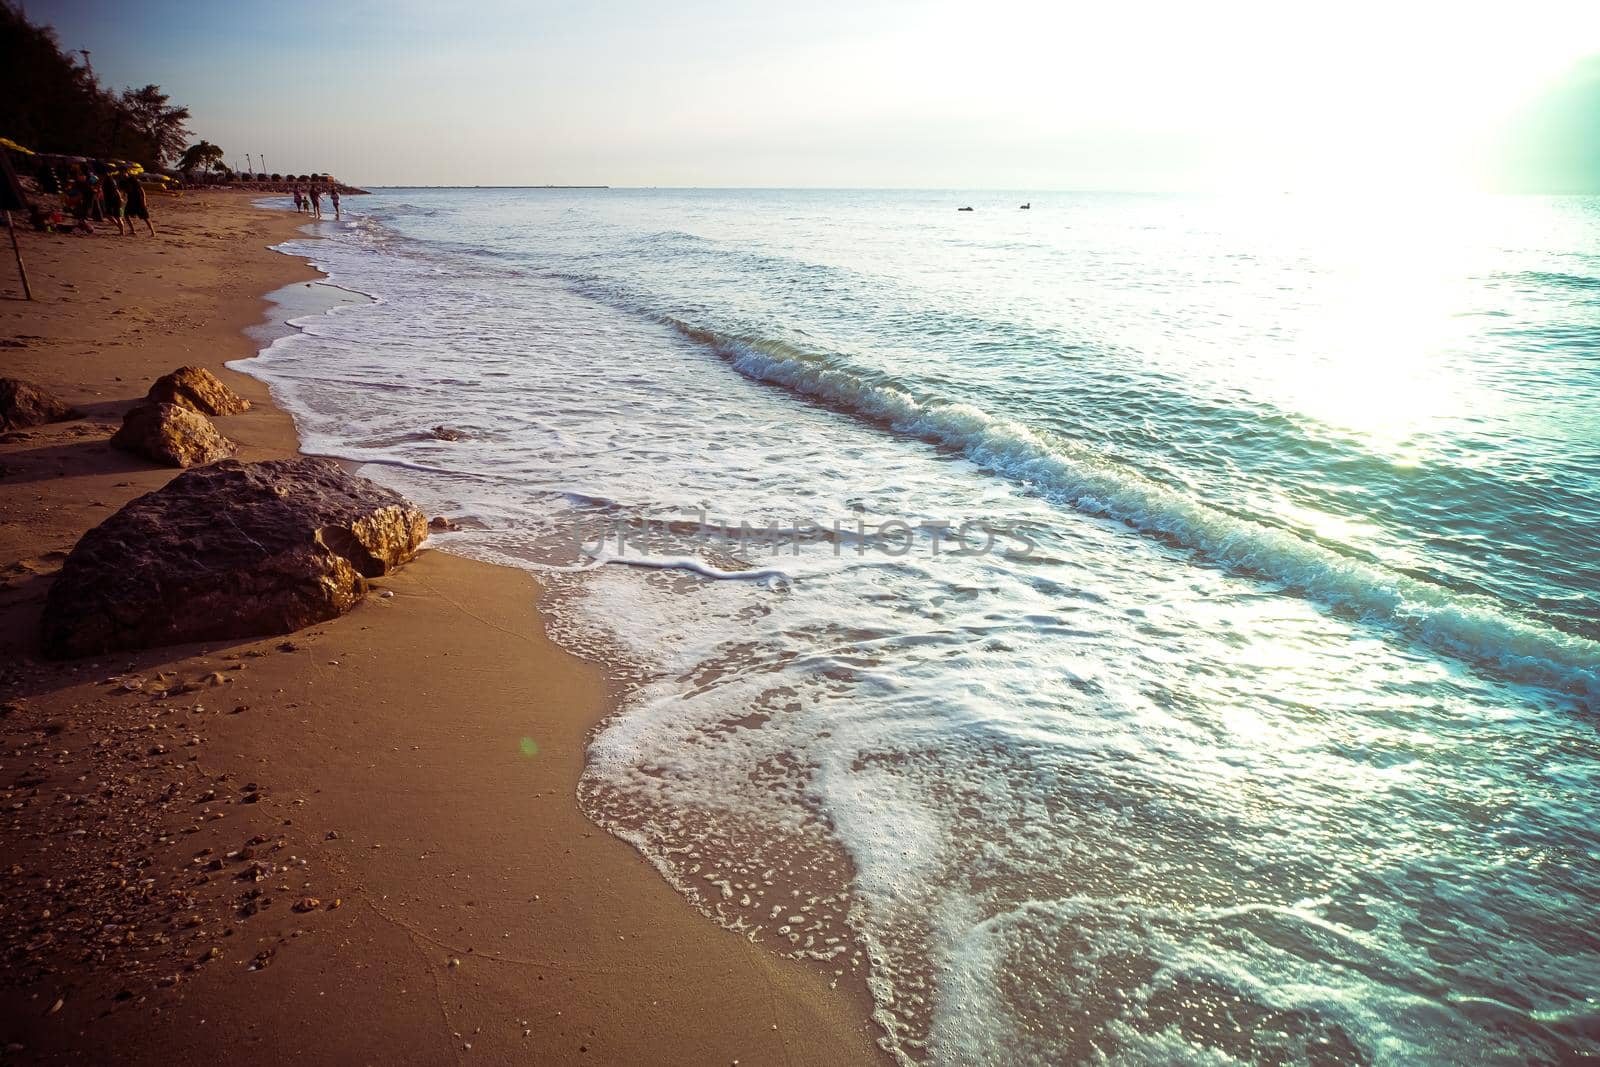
691, 564
1540, 278
1473, 628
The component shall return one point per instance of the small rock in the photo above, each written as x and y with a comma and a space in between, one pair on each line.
170, 435
198, 390
25, 404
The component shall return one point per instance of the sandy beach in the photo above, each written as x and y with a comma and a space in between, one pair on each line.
430, 891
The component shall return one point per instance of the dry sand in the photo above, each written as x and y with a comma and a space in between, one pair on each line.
406, 773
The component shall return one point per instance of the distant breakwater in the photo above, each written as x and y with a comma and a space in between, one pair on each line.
284, 187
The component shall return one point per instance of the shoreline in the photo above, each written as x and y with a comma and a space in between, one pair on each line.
478, 906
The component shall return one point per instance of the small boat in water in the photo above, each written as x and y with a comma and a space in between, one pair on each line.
1026, 207
963, 209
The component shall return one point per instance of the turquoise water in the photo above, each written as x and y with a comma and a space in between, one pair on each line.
1254, 724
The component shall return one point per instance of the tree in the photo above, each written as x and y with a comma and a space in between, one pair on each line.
162, 126
52, 103
47, 101
200, 156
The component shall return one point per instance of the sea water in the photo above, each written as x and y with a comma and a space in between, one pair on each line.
1132, 628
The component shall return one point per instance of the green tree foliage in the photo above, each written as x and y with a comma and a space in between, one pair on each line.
202, 155
52, 104
161, 126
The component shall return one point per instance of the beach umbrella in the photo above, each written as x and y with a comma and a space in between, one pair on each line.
11, 199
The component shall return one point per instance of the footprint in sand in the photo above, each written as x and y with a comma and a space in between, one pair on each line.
23, 570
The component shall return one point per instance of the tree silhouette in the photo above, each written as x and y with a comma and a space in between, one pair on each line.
200, 156
163, 126
52, 103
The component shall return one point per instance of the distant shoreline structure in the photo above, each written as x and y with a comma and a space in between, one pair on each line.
284, 187
491, 187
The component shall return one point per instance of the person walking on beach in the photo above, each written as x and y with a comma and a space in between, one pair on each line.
97, 203
316, 201
137, 206
112, 197
299, 201
80, 198
333, 194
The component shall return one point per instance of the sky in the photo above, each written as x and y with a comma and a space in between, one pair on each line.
865, 93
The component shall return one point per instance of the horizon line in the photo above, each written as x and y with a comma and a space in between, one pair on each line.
1257, 191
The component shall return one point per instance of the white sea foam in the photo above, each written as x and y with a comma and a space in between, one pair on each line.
1472, 627
1094, 804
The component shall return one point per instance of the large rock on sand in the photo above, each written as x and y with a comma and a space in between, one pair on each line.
229, 551
23, 404
197, 389
169, 434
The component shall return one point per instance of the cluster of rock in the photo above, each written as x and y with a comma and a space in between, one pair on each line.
226, 549
229, 550
172, 426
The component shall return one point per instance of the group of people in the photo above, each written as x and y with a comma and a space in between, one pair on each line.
97, 193
311, 200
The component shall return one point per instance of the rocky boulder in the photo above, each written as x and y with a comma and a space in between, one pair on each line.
231, 550
171, 435
23, 404
199, 390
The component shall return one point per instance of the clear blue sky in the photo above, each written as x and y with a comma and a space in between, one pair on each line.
1163, 94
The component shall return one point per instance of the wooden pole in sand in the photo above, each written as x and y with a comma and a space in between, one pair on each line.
16, 250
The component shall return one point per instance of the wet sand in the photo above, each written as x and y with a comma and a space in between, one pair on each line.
405, 774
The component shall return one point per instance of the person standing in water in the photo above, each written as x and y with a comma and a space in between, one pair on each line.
299, 200
316, 201
333, 194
